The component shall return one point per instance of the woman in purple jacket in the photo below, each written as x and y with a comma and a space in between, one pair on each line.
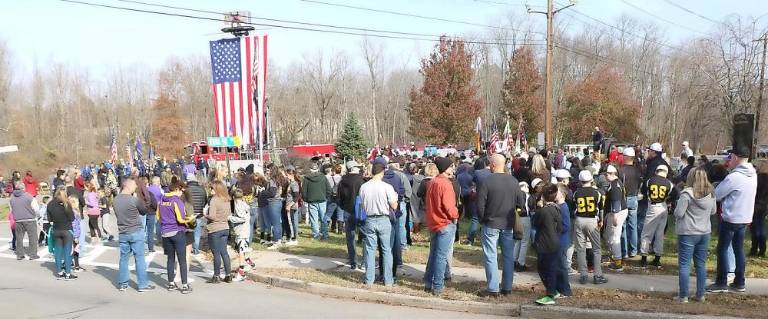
173, 225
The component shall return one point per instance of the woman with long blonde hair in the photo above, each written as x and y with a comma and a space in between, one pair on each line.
694, 208
539, 168
217, 225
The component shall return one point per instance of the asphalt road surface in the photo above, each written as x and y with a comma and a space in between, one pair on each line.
28, 290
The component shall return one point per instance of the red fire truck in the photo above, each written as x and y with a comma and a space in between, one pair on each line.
201, 150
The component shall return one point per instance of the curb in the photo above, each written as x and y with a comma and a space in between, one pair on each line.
389, 298
558, 312
508, 309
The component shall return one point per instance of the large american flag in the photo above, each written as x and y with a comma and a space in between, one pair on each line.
239, 70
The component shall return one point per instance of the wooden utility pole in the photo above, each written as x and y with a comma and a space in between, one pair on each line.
548, 135
755, 149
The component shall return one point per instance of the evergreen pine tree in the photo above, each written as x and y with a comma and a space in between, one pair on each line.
351, 143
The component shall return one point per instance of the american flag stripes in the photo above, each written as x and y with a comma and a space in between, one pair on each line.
494, 139
239, 70
113, 149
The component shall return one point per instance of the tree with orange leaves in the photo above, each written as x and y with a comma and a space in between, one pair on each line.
444, 109
521, 95
170, 126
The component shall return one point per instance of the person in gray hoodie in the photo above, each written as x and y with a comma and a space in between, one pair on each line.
737, 195
694, 208
24, 208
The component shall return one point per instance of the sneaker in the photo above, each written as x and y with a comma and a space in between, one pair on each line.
617, 267
681, 299
545, 301
734, 287
275, 246
172, 286
599, 280
60, 276
643, 261
79, 269
561, 296
214, 280
147, 288
506, 292
227, 279
557, 296
699, 299
19, 257
656, 263
292, 242
583, 280
715, 288
185, 289
731, 277
572, 272
34, 257
69, 277
122, 287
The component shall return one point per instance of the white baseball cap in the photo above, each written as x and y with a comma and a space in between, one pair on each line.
685, 143
662, 168
561, 173
656, 147
585, 176
611, 169
629, 151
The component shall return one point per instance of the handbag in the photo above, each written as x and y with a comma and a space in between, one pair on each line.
517, 228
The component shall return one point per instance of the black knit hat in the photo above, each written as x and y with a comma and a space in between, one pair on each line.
443, 163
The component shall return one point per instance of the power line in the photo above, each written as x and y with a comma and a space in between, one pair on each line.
600, 58
660, 18
690, 11
282, 26
418, 16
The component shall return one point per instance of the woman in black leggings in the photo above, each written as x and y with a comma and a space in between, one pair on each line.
173, 225
61, 215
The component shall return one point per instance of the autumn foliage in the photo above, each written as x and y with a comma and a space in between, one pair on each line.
521, 95
601, 99
444, 109
170, 126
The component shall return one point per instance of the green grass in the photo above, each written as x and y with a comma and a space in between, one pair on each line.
466, 256
4, 212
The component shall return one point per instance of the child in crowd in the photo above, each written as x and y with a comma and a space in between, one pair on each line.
104, 207
42, 221
240, 221
548, 224
76, 235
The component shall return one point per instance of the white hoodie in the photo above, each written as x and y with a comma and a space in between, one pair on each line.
737, 194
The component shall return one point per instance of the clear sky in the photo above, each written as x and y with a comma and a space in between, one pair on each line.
99, 38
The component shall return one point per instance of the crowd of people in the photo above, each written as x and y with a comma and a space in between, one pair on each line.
570, 208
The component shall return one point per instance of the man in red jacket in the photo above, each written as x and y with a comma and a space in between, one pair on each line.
30, 184
441, 216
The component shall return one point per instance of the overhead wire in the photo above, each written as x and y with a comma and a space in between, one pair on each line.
412, 15
676, 5
660, 18
279, 26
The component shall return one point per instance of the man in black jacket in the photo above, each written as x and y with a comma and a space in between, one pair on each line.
196, 195
348, 189
652, 160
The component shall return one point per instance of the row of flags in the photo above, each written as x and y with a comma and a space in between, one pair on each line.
500, 143
134, 153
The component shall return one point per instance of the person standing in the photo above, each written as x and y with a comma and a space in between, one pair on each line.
271, 203
589, 220
30, 184
659, 190
498, 199
737, 197
548, 224
441, 216
597, 139
616, 214
631, 177
379, 201
197, 196
291, 211
129, 212
217, 225
24, 209
315, 191
174, 221
758, 219
687, 151
694, 209
61, 216
93, 211
652, 160
348, 191
333, 175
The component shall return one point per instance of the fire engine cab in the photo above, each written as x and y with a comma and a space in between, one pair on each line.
201, 150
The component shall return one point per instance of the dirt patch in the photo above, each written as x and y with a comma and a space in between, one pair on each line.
739, 305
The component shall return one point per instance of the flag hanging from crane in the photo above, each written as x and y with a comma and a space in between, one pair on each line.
239, 72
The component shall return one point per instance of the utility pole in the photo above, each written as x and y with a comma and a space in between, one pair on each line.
548, 136
755, 149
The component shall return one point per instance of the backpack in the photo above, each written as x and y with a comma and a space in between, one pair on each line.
360, 214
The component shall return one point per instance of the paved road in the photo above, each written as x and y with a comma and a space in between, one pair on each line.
29, 290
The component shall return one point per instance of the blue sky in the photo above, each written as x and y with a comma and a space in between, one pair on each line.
99, 39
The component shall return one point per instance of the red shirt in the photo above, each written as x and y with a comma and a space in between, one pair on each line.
441, 204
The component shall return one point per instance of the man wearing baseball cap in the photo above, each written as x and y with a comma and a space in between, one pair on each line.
616, 214
653, 160
737, 195
348, 190
315, 191
659, 191
589, 201
632, 179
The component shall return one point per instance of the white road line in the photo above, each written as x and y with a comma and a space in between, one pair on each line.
93, 253
5, 247
159, 271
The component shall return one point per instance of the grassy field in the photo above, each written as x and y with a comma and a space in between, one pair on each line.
4, 212
716, 305
466, 256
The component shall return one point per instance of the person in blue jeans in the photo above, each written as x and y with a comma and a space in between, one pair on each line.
737, 194
61, 215
692, 215
130, 212
631, 177
563, 286
441, 217
378, 200
498, 198
315, 191
348, 191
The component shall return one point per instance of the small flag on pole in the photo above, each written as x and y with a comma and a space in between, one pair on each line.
478, 134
